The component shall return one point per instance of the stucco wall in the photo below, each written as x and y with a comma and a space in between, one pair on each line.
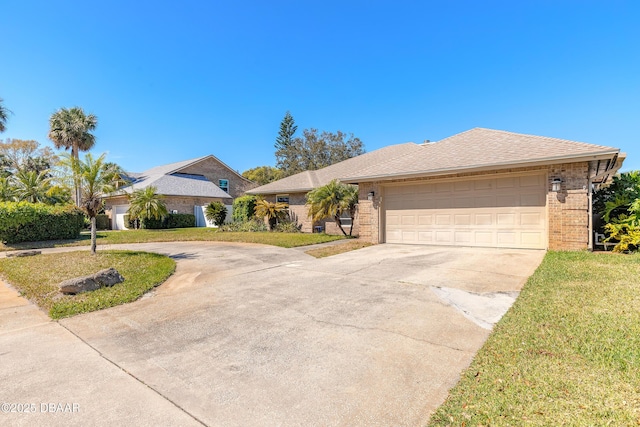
213, 170
567, 210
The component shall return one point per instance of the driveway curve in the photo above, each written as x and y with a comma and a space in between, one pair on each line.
258, 335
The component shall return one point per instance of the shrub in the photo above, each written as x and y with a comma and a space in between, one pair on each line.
287, 227
30, 222
216, 212
169, 221
180, 220
253, 225
102, 222
244, 208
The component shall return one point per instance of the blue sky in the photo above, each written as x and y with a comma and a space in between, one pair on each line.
175, 80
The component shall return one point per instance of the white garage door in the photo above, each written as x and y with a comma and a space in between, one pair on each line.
118, 214
506, 212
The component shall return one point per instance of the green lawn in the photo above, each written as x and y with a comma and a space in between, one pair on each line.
37, 277
285, 240
567, 353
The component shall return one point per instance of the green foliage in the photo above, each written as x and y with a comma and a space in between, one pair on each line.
71, 129
284, 143
7, 190
244, 208
30, 222
31, 186
624, 188
147, 204
263, 174
331, 200
166, 222
216, 212
272, 211
625, 229
287, 227
316, 150
4, 116
103, 222
252, 225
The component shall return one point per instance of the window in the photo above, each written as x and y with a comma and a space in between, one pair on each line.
224, 185
282, 198
345, 219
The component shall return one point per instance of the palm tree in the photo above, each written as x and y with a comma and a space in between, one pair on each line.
96, 178
7, 190
31, 186
71, 129
272, 211
4, 116
146, 204
331, 200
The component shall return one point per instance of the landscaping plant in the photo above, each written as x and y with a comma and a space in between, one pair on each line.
216, 212
331, 201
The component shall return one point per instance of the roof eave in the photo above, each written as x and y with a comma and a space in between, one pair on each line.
482, 168
281, 191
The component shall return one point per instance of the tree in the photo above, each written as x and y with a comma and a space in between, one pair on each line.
263, 174
19, 154
244, 208
147, 204
331, 201
623, 189
7, 190
216, 212
316, 150
284, 141
272, 211
71, 129
96, 178
31, 186
4, 116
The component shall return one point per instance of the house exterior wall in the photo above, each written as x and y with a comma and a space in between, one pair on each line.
182, 204
214, 170
567, 210
299, 213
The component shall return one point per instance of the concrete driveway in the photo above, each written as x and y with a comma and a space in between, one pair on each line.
257, 335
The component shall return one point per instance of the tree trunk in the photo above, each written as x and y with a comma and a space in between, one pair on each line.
76, 181
337, 218
93, 235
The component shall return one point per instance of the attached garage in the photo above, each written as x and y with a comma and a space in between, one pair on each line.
507, 211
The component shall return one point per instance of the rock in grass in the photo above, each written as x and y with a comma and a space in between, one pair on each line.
102, 278
23, 253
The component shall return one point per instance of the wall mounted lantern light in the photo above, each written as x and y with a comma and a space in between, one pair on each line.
370, 196
555, 184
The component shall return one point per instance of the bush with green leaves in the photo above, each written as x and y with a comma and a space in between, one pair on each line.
102, 222
253, 225
31, 222
287, 227
244, 208
624, 229
619, 205
169, 221
216, 212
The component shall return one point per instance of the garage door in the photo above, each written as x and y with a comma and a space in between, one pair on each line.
508, 211
118, 214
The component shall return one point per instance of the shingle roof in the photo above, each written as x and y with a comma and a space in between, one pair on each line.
169, 182
477, 148
308, 180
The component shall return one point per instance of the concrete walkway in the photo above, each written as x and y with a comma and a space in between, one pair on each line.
258, 335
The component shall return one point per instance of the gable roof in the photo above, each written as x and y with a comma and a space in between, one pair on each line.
308, 180
479, 149
474, 150
170, 182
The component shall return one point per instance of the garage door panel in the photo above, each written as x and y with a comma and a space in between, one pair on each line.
508, 211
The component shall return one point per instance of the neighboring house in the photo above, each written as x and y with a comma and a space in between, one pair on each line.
481, 187
187, 187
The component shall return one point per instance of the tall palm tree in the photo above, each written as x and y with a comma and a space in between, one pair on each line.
96, 179
146, 204
331, 200
4, 116
71, 129
31, 186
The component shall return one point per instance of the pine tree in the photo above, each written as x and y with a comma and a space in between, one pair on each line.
284, 142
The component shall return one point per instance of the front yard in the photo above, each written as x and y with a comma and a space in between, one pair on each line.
567, 353
285, 240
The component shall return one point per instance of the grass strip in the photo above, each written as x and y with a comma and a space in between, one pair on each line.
37, 277
566, 353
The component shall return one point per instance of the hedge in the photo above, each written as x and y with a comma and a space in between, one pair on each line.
170, 221
103, 222
244, 207
32, 222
